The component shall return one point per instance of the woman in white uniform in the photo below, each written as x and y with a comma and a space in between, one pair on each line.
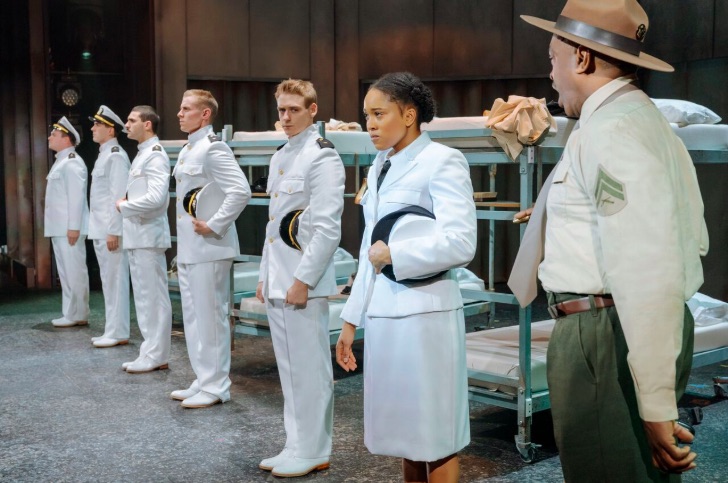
415, 383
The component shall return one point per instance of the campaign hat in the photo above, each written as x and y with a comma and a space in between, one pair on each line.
616, 28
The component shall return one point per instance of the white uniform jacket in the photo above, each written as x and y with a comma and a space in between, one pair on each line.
66, 207
203, 160
625, 216
437, 178
108, 184
303, 174
145, 219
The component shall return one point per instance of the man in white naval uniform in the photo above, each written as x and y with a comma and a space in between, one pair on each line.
108, 184
66, 222
146, 238
205, 250
294, 284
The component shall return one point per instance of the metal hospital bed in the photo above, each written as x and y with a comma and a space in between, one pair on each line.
507, 366
253, 151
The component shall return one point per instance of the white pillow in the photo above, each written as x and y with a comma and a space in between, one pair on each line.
685, 112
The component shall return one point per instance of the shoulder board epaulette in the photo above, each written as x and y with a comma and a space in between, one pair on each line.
324, 143
157, 147
214, 138
115, 149
72, 155
280, 147
185, 145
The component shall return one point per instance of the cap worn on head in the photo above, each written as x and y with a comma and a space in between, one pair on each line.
615, 28
109, 118
64, 125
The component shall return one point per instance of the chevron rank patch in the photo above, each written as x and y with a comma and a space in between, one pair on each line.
609, 193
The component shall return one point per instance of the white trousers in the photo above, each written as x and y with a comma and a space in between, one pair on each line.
114, 269
72, 270
205, 291
148, 268
303, 354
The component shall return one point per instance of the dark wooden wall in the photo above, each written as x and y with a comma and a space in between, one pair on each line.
40, 43
469, 53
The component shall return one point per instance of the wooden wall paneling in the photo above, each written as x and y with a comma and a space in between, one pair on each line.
171, 62
666, 85
346, 56
472, 38
491, 90
457, 98
348, 107
23, 169
7, 94
218, 38
704, 79
530, 44
679, 30
715, 197
266, 113
540, 88
715, 263
139, 60
280, 44
395, 36
720, 39
322, 56
38, 132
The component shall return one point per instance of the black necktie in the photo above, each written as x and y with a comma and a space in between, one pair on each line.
383, 173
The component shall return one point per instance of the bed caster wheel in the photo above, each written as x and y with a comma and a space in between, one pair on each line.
528, 455
527, 451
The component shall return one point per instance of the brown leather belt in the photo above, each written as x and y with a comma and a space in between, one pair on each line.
576, 306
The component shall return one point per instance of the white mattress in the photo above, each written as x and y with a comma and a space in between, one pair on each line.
246, 273
254, 306
345, 142
709, 137
260, 136
174, 143
496, 351
695, 136
480, 136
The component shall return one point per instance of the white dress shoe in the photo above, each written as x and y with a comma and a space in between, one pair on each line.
98, 337
293, 466
109, 342
182, 394
145, 365
201, 400
127, 364
64, 322
269, 463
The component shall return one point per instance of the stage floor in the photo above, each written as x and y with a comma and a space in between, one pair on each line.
69, 413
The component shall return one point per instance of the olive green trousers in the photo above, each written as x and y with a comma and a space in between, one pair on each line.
597, 425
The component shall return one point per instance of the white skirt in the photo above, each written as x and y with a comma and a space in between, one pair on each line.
415, 386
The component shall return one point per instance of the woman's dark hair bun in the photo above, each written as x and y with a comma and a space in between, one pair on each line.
407, 89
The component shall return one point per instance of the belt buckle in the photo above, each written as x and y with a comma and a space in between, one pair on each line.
553, 312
